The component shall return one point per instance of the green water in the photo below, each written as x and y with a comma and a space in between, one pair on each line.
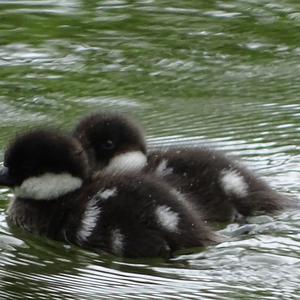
221, 72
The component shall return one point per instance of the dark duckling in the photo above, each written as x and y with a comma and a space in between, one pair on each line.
218, 186
120, 214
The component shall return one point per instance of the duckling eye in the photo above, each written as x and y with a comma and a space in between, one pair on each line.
108, 145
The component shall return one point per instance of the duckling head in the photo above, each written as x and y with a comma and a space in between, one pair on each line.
43, 165
113, 142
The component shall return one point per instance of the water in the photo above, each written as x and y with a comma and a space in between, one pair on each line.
221, 72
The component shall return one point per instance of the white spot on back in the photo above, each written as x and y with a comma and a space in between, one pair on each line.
127, 162
117, 242
48, 186
162, 169
89, 220
167, 218
107, 193
233, 183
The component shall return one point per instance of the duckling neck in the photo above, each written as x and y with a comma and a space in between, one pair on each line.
48, 186
132, 161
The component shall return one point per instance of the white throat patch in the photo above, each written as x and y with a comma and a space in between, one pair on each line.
48, 186
127, 162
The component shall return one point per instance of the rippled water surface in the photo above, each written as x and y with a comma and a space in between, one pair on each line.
221, 72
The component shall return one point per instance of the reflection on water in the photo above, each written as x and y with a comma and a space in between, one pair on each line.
223, 73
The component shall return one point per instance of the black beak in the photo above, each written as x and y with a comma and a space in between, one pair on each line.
5, 179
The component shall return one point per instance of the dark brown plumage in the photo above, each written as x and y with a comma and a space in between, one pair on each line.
123, 214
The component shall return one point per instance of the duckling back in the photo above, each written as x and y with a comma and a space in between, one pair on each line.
138, 217
220, 186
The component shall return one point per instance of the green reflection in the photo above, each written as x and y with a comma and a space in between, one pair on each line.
223, 72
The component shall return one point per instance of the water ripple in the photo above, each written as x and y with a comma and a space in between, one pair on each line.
221, 73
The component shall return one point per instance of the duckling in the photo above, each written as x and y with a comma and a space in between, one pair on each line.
125, 215
218, 186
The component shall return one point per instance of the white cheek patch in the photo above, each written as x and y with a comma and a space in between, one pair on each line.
167, 218
117, 242
233, 183
48, 186
89, 220
126, 162
162, 169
